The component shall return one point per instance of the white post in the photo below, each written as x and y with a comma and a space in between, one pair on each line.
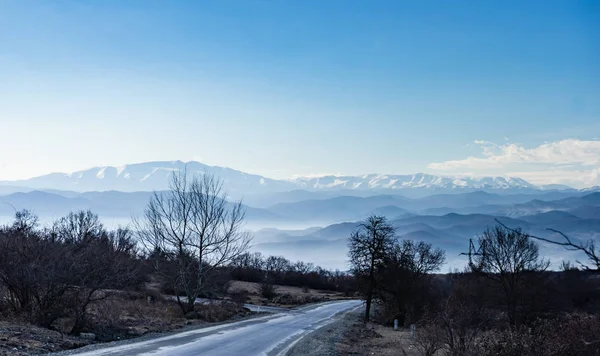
395, 324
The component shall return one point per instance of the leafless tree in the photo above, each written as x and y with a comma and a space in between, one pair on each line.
368, 247
303, 267
509, 259
78, 226
406, 283
276, 267
194, 230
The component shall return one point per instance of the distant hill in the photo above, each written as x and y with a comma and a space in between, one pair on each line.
341, 208
450, 232
105, 204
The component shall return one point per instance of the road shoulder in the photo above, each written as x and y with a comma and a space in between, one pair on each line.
325, 340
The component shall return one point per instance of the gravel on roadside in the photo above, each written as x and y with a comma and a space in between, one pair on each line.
324, 341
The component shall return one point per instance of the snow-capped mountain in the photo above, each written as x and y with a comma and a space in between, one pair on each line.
419, 180
149, 176
155, 176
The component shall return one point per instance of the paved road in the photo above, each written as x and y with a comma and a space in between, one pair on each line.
269, 335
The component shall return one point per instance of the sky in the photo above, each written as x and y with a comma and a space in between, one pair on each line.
303, 87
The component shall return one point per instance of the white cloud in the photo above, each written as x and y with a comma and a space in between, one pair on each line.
574, 178
567, 161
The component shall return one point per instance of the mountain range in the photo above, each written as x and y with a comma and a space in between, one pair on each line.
450, 232
323, 211
152, 176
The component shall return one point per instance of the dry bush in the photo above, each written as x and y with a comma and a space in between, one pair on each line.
268, 290
239, 296
428, 340
140, 309
289, 299
461, 325
120, 318
58, 273
571, 335
215, 312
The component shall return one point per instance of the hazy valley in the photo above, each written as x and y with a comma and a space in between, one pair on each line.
310, 219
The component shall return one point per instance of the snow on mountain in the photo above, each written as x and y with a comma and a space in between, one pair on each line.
555, 187
419, 180
150, 176
155, 176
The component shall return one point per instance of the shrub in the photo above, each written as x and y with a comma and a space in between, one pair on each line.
268, 290
239, 296
215, 312
571, 335
58, 273
428, 340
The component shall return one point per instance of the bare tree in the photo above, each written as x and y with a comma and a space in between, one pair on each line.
406, 282
303, 267
78, 226
509, 259
368, 247
192, 230
276, 267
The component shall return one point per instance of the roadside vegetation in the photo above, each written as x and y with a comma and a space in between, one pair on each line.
505, 302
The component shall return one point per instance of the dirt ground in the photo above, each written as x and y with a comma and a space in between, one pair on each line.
24, 339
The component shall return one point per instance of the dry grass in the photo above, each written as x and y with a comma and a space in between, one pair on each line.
375, 339
122, 318
289, 296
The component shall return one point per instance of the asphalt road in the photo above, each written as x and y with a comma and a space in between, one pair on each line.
269, 335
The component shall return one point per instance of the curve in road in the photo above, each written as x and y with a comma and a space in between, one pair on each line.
270, 335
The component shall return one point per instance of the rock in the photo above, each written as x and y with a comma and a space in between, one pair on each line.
87, 336
137, 331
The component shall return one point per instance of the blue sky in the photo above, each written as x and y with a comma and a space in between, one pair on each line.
283, 88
